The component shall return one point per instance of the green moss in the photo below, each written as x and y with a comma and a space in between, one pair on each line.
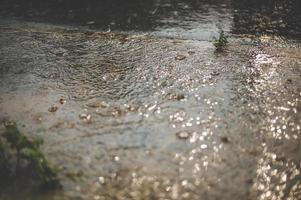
220, 42
22, 160
4, 160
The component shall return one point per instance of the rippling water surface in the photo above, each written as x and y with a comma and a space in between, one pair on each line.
146, 117
193, 19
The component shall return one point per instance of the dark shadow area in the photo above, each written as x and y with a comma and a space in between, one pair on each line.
249, 16
267, 17
117, 14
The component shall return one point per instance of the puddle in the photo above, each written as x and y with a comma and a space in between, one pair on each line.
189, 19
134, 116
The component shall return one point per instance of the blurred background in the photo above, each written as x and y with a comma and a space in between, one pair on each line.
193, 19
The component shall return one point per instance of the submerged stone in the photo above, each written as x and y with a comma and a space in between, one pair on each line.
180, 57
183, 135
53, 109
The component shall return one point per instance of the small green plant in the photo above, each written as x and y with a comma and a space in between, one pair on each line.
220, 42
21, 159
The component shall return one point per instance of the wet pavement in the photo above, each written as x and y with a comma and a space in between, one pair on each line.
189, 19
149, 114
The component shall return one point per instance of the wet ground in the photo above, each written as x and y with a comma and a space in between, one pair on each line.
189, 19
157, 113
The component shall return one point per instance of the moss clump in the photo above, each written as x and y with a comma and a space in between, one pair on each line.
22, 162
220, 42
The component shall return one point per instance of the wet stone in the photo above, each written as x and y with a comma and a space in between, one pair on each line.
183, 135
180, 57
289, 81
97, 104
123, 39
225, 139
117, 112
214, 73
53, 109
85, 117
177, 96
62, 100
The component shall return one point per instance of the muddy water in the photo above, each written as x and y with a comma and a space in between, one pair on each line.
139, 117
126, 114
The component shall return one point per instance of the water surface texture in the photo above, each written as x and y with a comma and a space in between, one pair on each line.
193, 19
139, 116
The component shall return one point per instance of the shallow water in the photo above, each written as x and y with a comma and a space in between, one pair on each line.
141, 117
146, 117
190, 19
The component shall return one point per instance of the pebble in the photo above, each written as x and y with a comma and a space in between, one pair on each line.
183, 135
84, 116
180, 57
215, 74
53, 109
225, 139
62, 100
97, 104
